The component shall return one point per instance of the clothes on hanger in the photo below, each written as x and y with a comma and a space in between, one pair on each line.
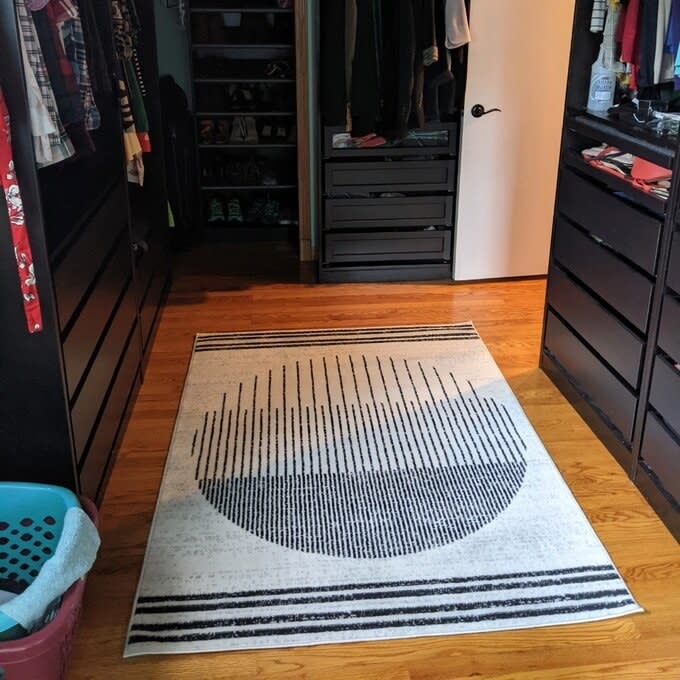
73, 38
51, 143
17, 222
126, 31
384, 72
457, 26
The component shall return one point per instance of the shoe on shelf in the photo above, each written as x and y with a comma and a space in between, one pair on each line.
234, 212
222, 132
277, 69
250, 130
251, 173
287, 216
271, 212
206, 131
216, 210
256, 211
280, 135
267, 175
237, 131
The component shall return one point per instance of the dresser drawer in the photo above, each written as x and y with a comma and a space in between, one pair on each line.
388, 246
626, 290
99, 378
406, 211
87, 254
661, 453
620, 225
89, 325
665, 393
372, 176
674, 270
593, 378
669, 334
620, 347
99, 456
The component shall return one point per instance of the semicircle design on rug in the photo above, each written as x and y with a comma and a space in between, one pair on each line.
356, 456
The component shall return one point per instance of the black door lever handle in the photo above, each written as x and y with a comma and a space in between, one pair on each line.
478, 111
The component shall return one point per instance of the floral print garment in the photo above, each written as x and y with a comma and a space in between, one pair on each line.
15, 213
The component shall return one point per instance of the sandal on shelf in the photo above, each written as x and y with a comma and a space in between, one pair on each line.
206, 131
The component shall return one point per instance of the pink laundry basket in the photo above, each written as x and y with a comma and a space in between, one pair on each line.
45, 654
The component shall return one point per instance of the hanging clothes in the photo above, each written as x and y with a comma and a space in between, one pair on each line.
610, 45
335, 84
62, 77
73, 40
597, 18
399, 40
135, 121
664, 63
17, 223
100, 75
51, 142
649, 12
457, 25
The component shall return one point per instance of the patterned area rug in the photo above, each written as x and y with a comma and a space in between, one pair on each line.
360, 484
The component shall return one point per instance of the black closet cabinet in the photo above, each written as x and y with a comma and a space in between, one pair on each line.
101, 267
612, 325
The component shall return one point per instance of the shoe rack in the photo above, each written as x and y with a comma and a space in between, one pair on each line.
244, 76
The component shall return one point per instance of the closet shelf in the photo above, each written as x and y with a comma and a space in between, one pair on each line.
226, 114
264, 6
217, 81
287, 145
638, 141
243, 46
250, 187
651, 202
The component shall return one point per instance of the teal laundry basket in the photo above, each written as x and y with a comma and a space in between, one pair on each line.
31, 523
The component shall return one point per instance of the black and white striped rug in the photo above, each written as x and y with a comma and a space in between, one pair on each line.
359, 484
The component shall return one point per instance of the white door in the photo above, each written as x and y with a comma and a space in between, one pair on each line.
518, 61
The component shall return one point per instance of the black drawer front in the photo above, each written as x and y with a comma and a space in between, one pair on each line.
100, 376
99, 455
674, 271
373, 176
404, 246
146, 263
621, 348
86, 256
596, 381
669, 334
626, 229
80, 343
407, 211
151, 303
661, 453
665, 393
625, 289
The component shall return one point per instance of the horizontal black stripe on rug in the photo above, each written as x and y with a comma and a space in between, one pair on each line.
374, 595
211, 347
387, 330
379, 585
377, 613
376, 625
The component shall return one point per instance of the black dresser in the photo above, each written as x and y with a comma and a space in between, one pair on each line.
612, 325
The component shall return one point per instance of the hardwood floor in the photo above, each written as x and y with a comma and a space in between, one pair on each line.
508, 317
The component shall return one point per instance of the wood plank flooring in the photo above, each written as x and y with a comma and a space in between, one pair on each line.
508, 316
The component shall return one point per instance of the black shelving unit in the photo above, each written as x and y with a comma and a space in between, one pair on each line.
243, 57
610, 339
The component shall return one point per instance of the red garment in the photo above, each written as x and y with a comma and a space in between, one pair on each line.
15, 212
629, 35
